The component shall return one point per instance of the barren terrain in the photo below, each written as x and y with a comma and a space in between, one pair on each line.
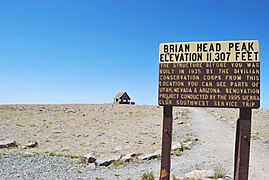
69, 131
79, 129
259, 123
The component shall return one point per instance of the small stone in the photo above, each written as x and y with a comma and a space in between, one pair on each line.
182, 177
8, 144
91, 166
106, 161
118, 148
190, 143
88, 158
150, 156
227, 178
30, 145
196, 174
128, 157
176, 146
180, 122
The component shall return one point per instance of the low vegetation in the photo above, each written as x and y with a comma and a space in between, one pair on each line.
219, 172
148, 176
81, 171
72, 156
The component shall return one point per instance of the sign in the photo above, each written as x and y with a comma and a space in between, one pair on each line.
210, 74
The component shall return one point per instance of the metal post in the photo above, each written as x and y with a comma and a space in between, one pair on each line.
242, 144
166, 142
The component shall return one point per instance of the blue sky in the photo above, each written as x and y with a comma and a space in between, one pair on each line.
63, 51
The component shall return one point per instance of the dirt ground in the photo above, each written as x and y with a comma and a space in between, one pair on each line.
74, 130
260, 120
106, 129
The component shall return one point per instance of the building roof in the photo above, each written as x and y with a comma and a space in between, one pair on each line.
120, 94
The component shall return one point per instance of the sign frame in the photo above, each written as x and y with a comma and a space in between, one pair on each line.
243, 128
230, 82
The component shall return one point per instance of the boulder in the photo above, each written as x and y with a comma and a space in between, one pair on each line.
88, 158
106, 161
8, 144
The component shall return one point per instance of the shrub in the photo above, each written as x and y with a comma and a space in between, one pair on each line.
148, 176
219, 172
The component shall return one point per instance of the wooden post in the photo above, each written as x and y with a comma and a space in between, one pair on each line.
242, 144
166, 142
236, 144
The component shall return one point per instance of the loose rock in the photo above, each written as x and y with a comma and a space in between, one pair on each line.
8, 144
181, 177
150, 156
88, 158
200, 174
176, 146
30, 145
128, 157
118, 148
91, 166
106, 161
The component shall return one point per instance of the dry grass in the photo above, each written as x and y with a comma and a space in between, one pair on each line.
219, 172
148, 176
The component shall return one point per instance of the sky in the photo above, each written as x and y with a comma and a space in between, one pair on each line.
85, 51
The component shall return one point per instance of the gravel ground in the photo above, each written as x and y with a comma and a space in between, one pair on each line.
214, 148
38, 167
75, 130
260, 120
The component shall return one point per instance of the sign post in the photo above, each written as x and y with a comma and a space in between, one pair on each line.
166, 142
224, 74
242, 144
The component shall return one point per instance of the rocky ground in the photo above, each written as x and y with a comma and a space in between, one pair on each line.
74, 130
66, 132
